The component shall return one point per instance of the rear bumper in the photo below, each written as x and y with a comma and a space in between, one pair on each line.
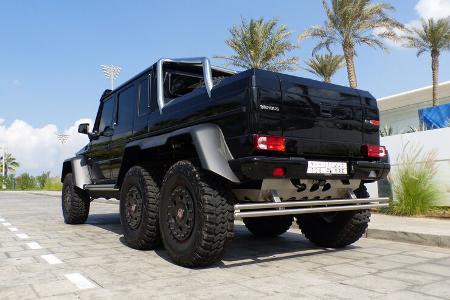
257, 167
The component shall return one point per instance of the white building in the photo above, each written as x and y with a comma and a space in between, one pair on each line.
400, 111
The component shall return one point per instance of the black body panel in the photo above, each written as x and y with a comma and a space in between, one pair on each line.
319, 121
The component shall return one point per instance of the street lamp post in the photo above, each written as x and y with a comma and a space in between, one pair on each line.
3, 168
111, 72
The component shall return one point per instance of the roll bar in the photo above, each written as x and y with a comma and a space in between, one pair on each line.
207, 75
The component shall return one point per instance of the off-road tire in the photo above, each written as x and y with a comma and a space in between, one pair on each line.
268, 226
146, 233
345, 229
75, 202
206, 223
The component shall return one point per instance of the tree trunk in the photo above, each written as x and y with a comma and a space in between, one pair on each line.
327, 79
349, 54
435, 71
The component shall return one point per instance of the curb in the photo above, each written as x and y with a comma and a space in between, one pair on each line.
409, 237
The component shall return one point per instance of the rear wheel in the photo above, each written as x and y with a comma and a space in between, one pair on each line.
337, 229
196, 215
75, 202
334, 231
139, 204
268, 226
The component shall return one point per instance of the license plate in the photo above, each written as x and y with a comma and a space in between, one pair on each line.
326, 167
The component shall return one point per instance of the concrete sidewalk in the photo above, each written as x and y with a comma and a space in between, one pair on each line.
424, 231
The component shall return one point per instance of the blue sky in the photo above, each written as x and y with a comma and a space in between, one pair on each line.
51, 50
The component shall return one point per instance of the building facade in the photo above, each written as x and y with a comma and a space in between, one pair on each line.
400, 111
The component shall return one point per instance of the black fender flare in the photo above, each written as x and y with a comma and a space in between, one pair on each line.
209, 142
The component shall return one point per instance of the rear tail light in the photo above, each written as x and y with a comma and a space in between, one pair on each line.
374, 151
374, 122
270, 143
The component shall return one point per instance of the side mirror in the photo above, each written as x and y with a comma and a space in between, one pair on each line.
83, 128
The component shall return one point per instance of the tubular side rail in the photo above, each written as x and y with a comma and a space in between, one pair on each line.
306, 207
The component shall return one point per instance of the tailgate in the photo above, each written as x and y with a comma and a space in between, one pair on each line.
320, 118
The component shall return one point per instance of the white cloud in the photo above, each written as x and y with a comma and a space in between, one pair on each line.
425, 9
38, 149
433, 8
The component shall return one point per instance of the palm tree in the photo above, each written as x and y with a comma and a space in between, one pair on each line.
325, 66
11, 164
352, 23
261, 44
432, 36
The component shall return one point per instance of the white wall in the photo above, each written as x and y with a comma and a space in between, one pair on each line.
438, 139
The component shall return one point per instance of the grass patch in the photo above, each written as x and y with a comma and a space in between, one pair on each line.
415, 191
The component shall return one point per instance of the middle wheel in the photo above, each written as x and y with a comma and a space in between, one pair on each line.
196, 216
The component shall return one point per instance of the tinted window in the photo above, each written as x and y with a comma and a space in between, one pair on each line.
144, 92
127, 100
107, 114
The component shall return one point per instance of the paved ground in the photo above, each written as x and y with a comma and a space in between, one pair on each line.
423, 231
90, 261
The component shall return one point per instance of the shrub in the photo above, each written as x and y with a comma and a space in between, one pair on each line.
52, 184
42, 179
26, 182
7, 182
415, 191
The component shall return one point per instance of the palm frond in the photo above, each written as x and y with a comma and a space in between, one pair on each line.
325, 66
260, 44
354, 22
430, 35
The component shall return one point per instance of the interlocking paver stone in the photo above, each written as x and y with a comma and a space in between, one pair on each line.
280, 268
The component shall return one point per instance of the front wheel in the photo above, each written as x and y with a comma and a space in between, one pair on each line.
75, 202
196, 215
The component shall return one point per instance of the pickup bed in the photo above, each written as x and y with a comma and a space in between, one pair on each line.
188, 148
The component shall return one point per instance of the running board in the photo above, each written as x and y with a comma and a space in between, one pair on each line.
306, 207
101, 187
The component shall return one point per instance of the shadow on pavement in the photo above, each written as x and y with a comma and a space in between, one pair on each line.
110, 222
245, 249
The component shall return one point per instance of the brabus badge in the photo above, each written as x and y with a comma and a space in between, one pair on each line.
269, 107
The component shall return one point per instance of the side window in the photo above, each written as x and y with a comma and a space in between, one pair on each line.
107, 114
144, 96
125, 111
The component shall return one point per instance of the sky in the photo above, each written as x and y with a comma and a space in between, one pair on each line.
51, 52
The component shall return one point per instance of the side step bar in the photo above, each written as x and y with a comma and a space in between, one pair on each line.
306, 207
101, 187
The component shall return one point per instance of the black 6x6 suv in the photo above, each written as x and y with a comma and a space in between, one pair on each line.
189, 148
